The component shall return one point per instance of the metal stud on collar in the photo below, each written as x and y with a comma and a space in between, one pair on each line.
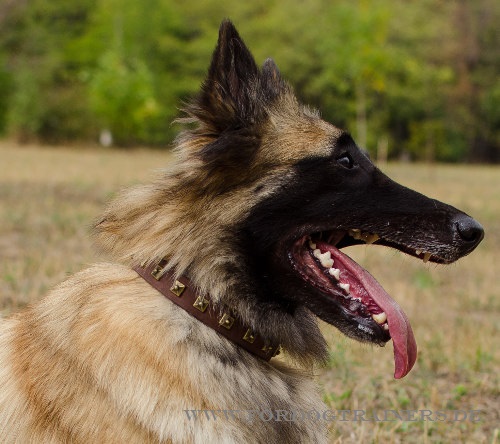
201, 303
267, 349
249, 336
226, 321
159, 270
178, 288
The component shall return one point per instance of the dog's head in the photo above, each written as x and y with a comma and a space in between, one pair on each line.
263, 197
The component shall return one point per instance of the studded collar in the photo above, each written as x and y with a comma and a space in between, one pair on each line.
183, 293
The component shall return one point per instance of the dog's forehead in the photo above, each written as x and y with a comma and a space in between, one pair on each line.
292, 138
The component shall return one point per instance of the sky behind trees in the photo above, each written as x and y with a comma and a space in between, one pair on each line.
410, 78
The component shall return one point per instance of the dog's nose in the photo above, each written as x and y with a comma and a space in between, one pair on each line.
469, 229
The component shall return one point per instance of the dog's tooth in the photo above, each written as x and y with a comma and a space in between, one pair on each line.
328, 263
368, 237
345, 287
326, 259
372, 238
355, 233
418, 252
312, 245
385, 326
379, 318
317, 253
335, 272
426, 258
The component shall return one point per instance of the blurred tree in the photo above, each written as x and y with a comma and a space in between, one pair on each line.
122, 96
42, 103
476, 58
25, 112
416, 78
5, 88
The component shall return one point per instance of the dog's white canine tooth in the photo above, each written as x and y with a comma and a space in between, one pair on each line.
427, 256
379, 318
345, 287
317, 253
335, 272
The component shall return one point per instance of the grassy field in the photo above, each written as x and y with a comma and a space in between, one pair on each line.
50, 197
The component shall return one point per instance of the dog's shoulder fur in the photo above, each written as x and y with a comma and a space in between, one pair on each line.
105, 349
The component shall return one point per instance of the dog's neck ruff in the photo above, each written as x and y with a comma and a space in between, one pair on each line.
184, 294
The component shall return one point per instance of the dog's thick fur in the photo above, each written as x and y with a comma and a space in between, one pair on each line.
105, 358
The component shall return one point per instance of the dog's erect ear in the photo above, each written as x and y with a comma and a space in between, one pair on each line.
229, 94
235, 92
272, 83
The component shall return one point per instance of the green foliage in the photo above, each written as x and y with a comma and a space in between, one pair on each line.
122, 97
5, 88
426, 83
25, 111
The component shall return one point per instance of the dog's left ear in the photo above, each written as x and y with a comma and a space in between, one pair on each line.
228, 98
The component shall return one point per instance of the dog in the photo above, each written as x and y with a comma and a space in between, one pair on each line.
245, 228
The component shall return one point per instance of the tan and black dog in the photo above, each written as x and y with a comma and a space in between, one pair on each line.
245, 228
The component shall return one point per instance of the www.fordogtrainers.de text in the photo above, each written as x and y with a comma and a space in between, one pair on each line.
266, 415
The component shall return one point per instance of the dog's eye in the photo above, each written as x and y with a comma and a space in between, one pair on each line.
345, 160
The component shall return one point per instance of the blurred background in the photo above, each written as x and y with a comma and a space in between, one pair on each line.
409, 79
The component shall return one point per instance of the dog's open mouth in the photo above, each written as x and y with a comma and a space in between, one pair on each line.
364, 303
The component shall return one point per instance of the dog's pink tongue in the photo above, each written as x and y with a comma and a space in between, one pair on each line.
405, 346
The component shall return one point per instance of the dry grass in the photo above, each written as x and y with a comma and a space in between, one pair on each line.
49, 198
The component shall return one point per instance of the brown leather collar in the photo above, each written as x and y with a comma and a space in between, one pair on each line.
181, 292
